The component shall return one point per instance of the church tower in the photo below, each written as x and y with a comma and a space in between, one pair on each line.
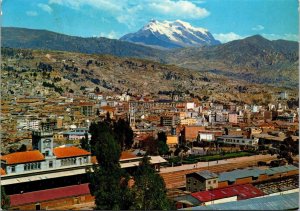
43, 141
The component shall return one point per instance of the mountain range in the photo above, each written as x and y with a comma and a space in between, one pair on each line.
254, 59
167, 34
42, 39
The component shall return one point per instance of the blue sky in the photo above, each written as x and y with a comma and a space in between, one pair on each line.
225, 19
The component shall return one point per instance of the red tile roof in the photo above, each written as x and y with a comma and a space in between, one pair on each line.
127, 155
124, 155
241, 191
50, 194
23, 157
2, 171
94, 160
65, 152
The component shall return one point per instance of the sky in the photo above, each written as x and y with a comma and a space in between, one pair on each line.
226, 19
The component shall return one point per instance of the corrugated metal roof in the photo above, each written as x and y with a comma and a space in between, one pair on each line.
279, 202
187, 198
280, 169
233, 175
207, 174
253, 172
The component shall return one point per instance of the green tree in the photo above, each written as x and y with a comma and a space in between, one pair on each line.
84, 142
108, 182
5, 201
22, 148
97, 90
151, 146
163, 148
96, 130
149, 191
123, 133
288, 149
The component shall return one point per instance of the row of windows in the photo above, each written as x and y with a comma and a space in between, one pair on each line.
72, 161
64, 162
32, 166
209, 182
68, 161
236, 141
214, 181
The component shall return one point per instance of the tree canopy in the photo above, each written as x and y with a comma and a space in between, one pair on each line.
123, 134
163, 148
149, 191
5, 201
288, 149
108, 182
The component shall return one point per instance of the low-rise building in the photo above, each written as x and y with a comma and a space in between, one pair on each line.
202, 180
237, 140
172, 140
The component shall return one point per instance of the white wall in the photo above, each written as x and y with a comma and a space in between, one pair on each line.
224, 200
190, 105
206, 136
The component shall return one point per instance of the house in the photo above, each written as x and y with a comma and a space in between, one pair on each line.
169, 120
191, 132
172, 140
55, 198
202, 180
44, 156
233, 118
237, 141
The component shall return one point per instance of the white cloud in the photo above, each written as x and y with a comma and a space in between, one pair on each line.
228, 37
45, 7
258, 28
178, 9
111, 35
293, 37
99, 4
31, 13
131, 12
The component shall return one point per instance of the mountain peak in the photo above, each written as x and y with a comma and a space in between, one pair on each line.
256, 37
171, 34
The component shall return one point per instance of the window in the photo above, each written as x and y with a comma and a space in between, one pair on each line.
74, 161
47, 153
25, 167
13, 168
85, 159
209, 182
215, 181
50, 164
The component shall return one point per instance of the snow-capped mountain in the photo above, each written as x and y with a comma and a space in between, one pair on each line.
169, 34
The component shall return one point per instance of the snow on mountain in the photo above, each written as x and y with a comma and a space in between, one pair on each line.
169, 34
